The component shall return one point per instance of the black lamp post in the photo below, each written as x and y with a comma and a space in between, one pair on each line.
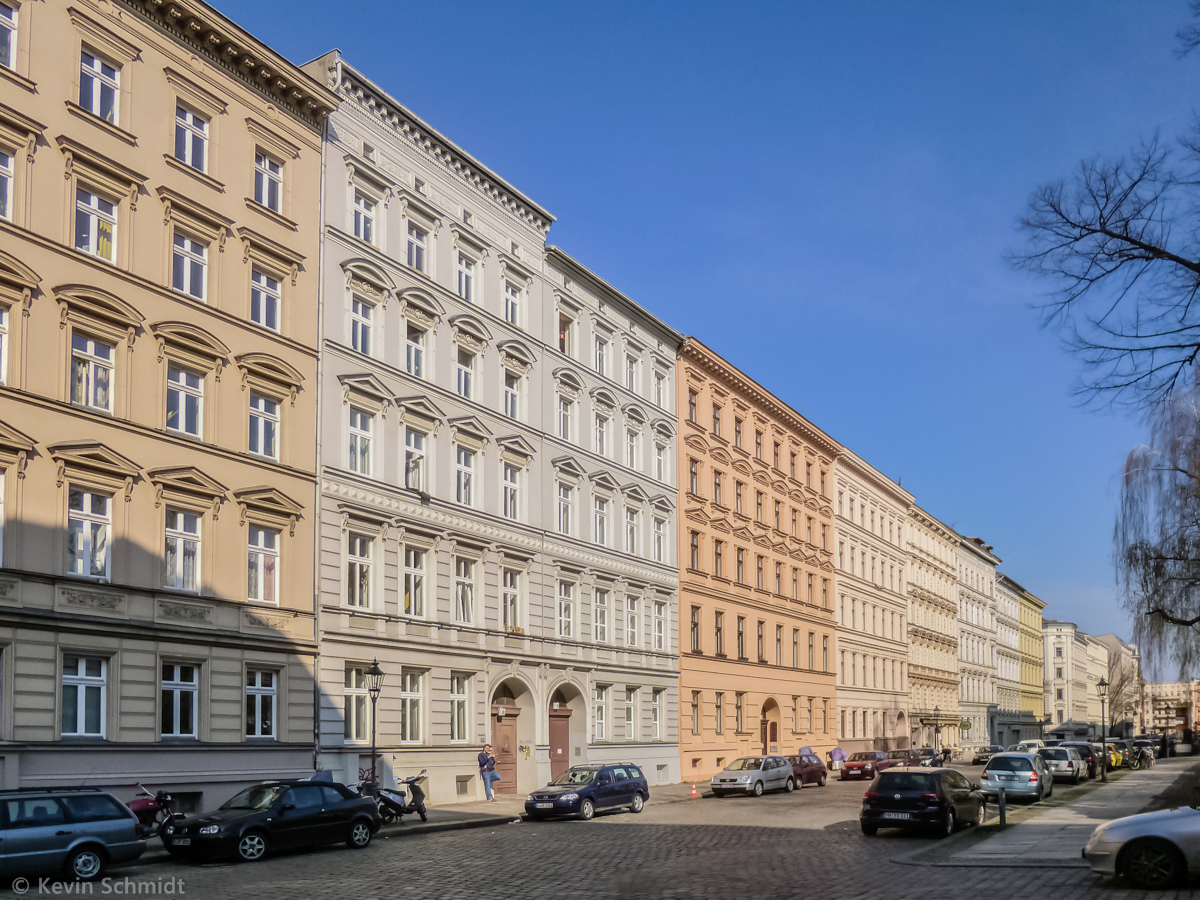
937, 726
374, 686
1102, 690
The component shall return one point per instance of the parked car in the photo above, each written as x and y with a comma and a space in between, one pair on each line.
908, 797
1019, 774
1030, 746
1116, 758
76, 832
864, 764
985, 753
924, 756
1065, 764
1087, 753
1126, 748
754, 775
1152, 850
276, 815
582, 790
807, 768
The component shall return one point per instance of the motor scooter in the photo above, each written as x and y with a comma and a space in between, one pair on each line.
393, 805
153, 811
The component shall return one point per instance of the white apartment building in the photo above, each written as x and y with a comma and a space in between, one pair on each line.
977, 641
1066, 674
496, 475
872, 609
1007, 721
1125, 686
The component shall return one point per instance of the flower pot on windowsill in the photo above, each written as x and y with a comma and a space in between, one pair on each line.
513, 629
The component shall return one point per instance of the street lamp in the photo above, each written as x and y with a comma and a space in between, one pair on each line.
937, 725
1102, 690
374, 686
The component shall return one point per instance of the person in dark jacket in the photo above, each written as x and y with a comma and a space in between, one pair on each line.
487, 770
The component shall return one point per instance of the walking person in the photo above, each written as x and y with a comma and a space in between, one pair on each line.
487, 770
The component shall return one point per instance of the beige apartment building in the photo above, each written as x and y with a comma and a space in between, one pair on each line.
158, 331
932, 630
1033, 706
757, 582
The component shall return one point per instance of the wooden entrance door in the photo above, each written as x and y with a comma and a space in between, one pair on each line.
504, 746
560, 740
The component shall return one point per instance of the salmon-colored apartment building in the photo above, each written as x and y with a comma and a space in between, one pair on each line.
756, 581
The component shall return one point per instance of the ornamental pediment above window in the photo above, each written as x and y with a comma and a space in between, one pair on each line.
567, 381
186, 484
742, 533
662, 503
96, 461
470, 332
15, 448
81, 302
270, 373
367, 279
603, 480
269, 505
421, 307
696, 443
198, 220
470, 427
635, 416
664, 429
516, 356
368, 386
191, 345
419, 411
568, 466
363, 171
512, 268
634, 493
515, 449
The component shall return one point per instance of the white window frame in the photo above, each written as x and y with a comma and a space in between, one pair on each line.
83, 684
4, 339
600, 520
355, 705
600, 712
90, 531
464, 590
99, 79
464, 475
7, 183
8, 36
631, 448
460, 724
262, 701
359, 551
656, 714
412, 701
632, 623
262, 559
631, 714
268, 181
365, 207
600, 615
565, 609
659, 541
510, 598
86, 360
510, 506
416, 247
600, 363
94, 211
660, 625
191, 138
512, 394
182, 539
660, 461
413, 598
415, 460
189, 266
464, 372
465, 283
361, 425
660, 389
361, 312
602, 443
631, 530
264, 426
566, 411
266, 300
512, 302
179, 688
414, 349
186, 389
631, 371
565, 502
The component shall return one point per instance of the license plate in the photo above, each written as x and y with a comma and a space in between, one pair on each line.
182, 842
1008, 777
545, 806
888, 815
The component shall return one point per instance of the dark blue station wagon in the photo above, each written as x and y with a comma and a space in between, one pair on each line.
582, 790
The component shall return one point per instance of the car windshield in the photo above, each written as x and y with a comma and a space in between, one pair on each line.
747, 762
1053, 753
258, 797
859, 757
897, 754
580, 775
906, 781
1010, 763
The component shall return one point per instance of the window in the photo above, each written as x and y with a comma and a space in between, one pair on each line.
410, 706
631, 530
762, 655
566, 609
823, 483
796, 648
775, 455
660, 462
512, 302
512, 393
739, 703
600, 711
808, 474
268, 182
414, 582
695, 632
600, 616
719, 633
810, 588
178, 713
414, 459
812, 643
631, 448
89, 522
737, 497
99, 86
464, 372
631, 372
660, 625
719, 712
264, 426
191, 138
8, 36
95, 225
741, 637
631, 622
779, 578
185, 401
466, 275
657, 715
564, 333
364, 217
779, 645
758, 505
356, 723
510, 598
825, 653
693, 477
360, 441
6, 168
265, 300
510, 492
694, 550
602, 435
91, 373
600, 519
718, 558
260, 703
737, 432
83, 696
182, 550
695, 712
263, 565
564, 508
758, 572
188, 263
601, 360
464, 590
778, 513
416, 248
741, 566
566, 410
464, 475
414, 351
660, 389
658, 539
692, 406
716, 488
358, 570
631, 716
1059, 693
458, 707
360, 325
716, 420
1058, 672
758, 444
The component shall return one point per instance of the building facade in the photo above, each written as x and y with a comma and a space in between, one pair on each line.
977, 642
1124, 687
1097, 669
1007, 726
1033, 704
1170, 707
871, 607
1065, 658
158, 347
496, 475
757, 580
932, 574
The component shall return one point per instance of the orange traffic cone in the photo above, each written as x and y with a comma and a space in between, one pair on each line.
693, 793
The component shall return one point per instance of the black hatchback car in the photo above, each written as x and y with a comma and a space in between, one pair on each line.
911, 797
277, 815
582, 790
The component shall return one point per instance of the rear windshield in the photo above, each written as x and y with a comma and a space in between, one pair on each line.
906, 781
859, 757
1053, 753
1010, 763
94, 808
897, 754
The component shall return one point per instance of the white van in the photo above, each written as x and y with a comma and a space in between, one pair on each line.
1030, 746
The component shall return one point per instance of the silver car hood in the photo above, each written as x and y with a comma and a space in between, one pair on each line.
1182, 819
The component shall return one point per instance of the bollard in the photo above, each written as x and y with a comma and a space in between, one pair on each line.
1003, 811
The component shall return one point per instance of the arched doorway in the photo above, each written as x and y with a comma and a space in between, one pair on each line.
567, 729
769, 726
511, 736
901, 731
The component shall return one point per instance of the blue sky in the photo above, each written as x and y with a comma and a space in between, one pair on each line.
823, 193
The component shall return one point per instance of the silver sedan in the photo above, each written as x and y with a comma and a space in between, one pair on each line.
1152, 850
754, 775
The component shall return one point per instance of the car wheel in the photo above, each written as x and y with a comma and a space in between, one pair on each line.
638, 804
587, 809
821, 781
85, 864
758, 789
868, 830
982, 817
948, 824
360, 835
789, 786
1151, 864
252, 846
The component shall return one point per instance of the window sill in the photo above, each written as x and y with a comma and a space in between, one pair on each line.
18, 80
271, 214
202, 177
119, 133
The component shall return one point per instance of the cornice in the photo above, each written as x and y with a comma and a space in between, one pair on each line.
867, 472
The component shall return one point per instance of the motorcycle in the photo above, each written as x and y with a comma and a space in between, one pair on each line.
393, 803
1142, 756
153, 811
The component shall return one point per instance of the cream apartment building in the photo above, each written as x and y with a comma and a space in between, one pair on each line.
497, 475
1067, 701
872, 607
1007, 726
1033, 707
158, 347
977, 641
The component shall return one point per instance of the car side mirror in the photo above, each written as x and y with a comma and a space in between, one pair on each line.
974, 786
